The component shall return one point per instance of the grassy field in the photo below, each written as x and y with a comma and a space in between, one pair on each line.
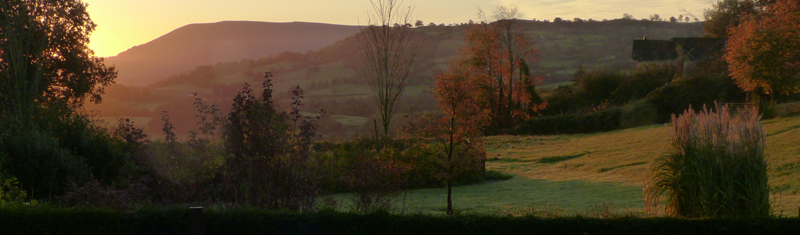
589, 174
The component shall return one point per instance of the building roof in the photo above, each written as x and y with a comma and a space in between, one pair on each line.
660, 50
654, 50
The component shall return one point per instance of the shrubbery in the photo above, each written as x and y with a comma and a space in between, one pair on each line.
607, 87
648, 95
695, 91
268, 153
635, 114
52, 151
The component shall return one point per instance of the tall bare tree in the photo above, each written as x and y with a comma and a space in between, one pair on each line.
388, 49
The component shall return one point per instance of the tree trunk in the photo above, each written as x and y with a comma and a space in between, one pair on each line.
449, 198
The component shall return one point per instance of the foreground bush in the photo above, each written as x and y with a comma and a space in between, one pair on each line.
51, 150
717, 167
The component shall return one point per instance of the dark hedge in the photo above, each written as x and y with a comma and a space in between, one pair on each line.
247, 221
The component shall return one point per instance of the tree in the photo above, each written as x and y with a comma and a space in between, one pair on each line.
728, 13
457, 133
46, 73
655, 17
672, 19
268, 151
498, 54
419, 23
627, 16
387, 55
764, 50
44, 56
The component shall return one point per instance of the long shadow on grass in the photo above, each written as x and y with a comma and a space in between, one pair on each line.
604, 169
508, 160
556, 159
783, 131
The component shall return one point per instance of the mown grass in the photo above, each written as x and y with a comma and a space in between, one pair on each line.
575, 174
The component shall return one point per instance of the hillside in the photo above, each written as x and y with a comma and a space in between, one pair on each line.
332, 82
194, 45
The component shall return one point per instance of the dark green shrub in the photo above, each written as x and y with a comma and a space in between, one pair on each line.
644, 80
606, 120
605, 86
49, 152
562, 99
638, 113
42, 166
104, 154
341, 157
695, 91
10, 191
599, 85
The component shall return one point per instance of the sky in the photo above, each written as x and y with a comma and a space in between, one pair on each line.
122, 24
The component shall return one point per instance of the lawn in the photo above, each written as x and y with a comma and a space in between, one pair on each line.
581, 174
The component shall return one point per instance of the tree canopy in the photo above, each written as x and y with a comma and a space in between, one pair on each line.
498, 54
764, 50
44, 55
727, 13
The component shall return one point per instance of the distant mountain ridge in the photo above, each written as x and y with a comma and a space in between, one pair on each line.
187, 47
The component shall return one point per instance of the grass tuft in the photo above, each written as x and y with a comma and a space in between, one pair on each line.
717, 167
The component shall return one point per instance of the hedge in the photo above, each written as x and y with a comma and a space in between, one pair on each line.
637, 113
250, 221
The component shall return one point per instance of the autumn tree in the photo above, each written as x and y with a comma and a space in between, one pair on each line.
456, 135
764, 50
498, 54
388, 49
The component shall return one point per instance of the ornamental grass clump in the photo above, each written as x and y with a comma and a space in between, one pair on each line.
717, 167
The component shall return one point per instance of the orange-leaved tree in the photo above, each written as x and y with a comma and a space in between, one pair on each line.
456, 134
498, 54
764, 50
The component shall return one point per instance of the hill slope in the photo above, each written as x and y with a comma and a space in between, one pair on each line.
201, 44
332, 82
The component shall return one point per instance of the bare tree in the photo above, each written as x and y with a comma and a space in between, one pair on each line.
388, 50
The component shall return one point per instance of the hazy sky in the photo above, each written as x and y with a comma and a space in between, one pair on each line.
126, 23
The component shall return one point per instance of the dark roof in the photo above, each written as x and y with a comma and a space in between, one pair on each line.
653, 50
693, 48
